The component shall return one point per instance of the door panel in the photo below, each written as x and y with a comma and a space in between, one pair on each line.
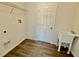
42, 32
45, 22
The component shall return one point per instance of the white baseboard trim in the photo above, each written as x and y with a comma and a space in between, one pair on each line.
41, 40
74, 54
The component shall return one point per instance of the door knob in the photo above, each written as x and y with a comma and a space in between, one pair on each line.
51, 28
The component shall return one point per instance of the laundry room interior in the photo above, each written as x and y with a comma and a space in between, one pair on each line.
39, 29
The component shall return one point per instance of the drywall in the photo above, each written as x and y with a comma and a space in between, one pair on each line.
4, 24
64, 16
30, 20
14, 30
67, 19
75, 47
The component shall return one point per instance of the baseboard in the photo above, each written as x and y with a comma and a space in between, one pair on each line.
40, 40
72, 54
12, 48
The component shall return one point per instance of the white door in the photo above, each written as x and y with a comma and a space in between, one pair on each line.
45, 23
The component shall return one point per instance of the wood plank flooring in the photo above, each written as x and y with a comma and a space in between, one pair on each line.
32, 48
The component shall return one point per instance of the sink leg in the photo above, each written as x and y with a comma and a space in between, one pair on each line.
69, 48
59, 47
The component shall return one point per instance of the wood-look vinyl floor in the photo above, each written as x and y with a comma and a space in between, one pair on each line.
32, 48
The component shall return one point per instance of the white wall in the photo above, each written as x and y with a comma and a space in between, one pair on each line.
64, 16
75, 48
15, 31
30, 20
67, 19
4, 25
